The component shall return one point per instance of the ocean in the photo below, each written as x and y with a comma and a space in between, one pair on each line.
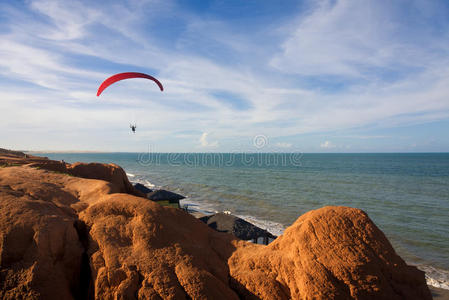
406, 195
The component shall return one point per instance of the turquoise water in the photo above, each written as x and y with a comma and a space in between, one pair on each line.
406, 195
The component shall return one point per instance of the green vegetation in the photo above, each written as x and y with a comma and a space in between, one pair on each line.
10, 165
53, 171
168, 204
63, 173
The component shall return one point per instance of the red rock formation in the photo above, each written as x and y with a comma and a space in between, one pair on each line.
140, 247
65, 237
39, 247
108, 172
11, 158
329, 253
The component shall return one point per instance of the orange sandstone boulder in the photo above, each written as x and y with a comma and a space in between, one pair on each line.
328, 253
66, 237
108, 172
138, 247
43, 249
40, 253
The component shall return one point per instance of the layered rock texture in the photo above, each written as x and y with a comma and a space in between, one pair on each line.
77, 232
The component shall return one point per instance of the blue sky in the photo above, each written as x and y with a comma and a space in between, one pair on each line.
308, 76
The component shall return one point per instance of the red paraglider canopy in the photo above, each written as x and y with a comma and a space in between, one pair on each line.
126, 75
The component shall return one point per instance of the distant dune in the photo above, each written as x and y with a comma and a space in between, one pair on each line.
81, 231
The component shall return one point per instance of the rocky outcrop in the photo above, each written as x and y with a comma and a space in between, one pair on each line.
13, 158
66, 237
140, 187
161, 195
329, 253
236, 226
40, 249
141, 248
108, 172
11, 153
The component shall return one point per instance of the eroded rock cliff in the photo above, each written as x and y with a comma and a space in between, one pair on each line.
67, 237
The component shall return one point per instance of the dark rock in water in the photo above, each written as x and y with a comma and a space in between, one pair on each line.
161, 195
142, 188
236, 226
59, 242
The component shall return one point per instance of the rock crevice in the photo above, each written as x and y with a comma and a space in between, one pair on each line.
85, 288
114, 245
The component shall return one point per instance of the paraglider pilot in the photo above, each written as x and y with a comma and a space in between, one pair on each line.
133, 127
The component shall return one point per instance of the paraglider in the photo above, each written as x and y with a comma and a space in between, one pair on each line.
127, 75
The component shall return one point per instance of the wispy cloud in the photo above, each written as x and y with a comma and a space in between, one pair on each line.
360, 39
340, 65
205, 143
327, 145
283, 145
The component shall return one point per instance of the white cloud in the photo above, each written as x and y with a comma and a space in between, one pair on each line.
365, 137
69, 19
327, 145
283, 145
354, 38
205, 143
341, 39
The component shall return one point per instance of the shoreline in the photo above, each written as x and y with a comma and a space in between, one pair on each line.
439, 287
437, 291
106, 208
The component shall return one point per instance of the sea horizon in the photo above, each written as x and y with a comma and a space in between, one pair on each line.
244, 152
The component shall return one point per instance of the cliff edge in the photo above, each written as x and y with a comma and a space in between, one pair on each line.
77, 232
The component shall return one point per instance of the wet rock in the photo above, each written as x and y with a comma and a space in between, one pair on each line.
238, 227
161, 195
140, 187
66, 237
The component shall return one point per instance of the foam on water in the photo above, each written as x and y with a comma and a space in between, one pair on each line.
274, 228
137, 178
204, 208
149, 184
400, 193
436, 277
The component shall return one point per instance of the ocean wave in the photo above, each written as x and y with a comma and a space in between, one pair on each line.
435, 277
204, 208
144, 182
274, 228
201, 200
149, 184
208, 209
